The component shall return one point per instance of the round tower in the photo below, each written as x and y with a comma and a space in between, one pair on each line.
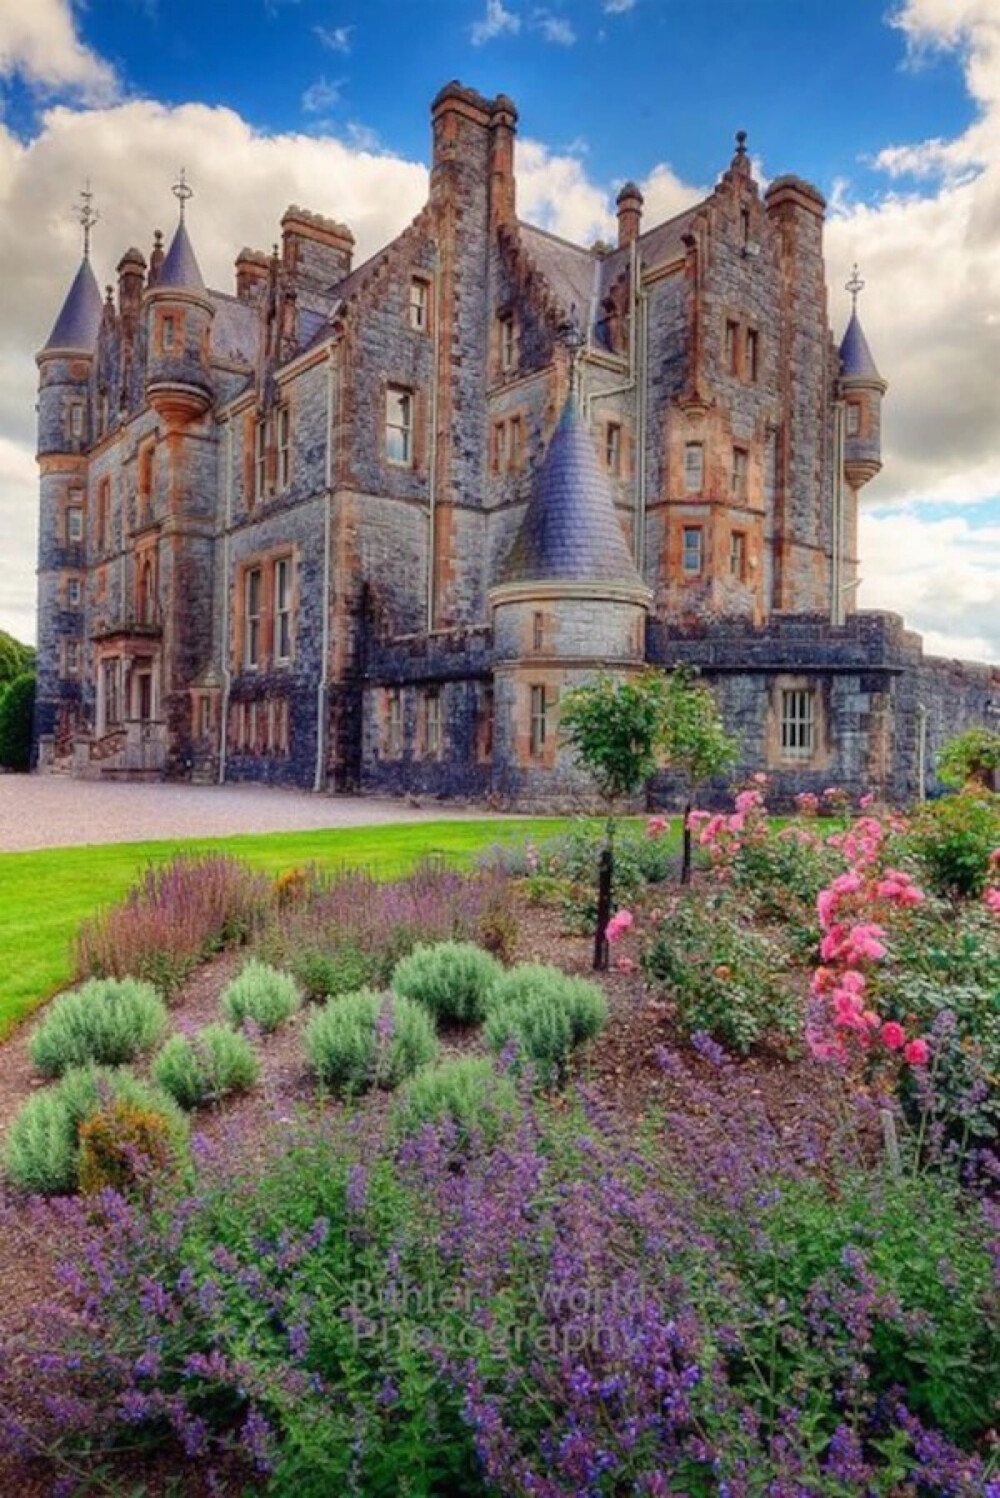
179, 315
569, 603
65, 368
862, 388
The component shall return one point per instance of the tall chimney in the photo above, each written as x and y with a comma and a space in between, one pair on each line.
629, 203
503, 125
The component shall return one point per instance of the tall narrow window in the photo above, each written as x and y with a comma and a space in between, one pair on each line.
753, 353
506, 331
432, 724
111, 678
283, 609
539, 722
284, 447
253, 588
260, 458
516, 443
692, 550
144, 696
538, 631
169, 332
399, 426
73, 593
739, 480
499, 447
74, 525
613, 448
738, 555
147, 593
146, 475
694, 467
394, 724
104, 515
853, 419
72, 657
745, 226
798, 723
419, 300
731, 351
76, 419
205, 716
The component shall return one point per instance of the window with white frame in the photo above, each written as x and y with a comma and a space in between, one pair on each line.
72, 657
613, 448
739, 479
694, 467
432, 723
73, 592
399, 425
539, 721
507, 341
394, 723
253, 587
283, 609
419, 304
260, 458
76, 419
738, 555
798, 723
169, 332
74, 524
284, 447
692, 550
516, 442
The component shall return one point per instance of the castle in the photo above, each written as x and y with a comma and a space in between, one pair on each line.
359, 528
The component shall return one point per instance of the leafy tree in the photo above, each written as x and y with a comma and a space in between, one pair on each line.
972, 756
696, 744
15, 659
17, 706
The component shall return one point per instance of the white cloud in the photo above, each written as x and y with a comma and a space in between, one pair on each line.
554, 28
497, 21
39, 43
618, 7
335, 38
555, 192
665, 195
321, 96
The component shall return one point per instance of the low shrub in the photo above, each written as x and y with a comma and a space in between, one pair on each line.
466, 1092
365, 1040
123, 1146
324, 975
544, 1013
971, 756
261, 994
42, 1153
204, 1068
780, 874
569, 866
952, 841
176, 916
17, 708
108, 1021
724, 978
450, 979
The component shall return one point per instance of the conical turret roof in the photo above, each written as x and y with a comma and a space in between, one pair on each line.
79, 322
570, 531
180, 265
855, 355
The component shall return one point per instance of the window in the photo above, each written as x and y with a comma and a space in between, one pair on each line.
692, 552
146, 459
516, 443
284, 447
738, 555
500, 461
144, 696
399, 426
103, 414
613, 448
253, 727
753, 353
745, 226
539, 722
147, 593
283, 609
538, 631
394, 724
739, 482
72, 657
798, 723
76, 419
694, 467
419, 304
260, 459
74, 524
432, 724
282, 726
732, 330
253, 588
104, 515
169, 333
73, 592
853, 419
507, 342
205, 717
485, 735
110, 678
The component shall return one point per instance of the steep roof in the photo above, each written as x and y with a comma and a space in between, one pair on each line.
855, 355
79, 322
570, 531
180, 264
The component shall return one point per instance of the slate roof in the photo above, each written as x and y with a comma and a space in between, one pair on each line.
855, 355
570, 531
79, 322
180, 265
235, 329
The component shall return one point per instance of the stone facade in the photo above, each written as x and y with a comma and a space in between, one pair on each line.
359, 528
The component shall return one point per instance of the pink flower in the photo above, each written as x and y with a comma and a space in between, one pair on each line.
894, 1035
736, 822
995, 858
657, 826
759, 778
917, 1053
711, 829
748, 801
853, 982
625, 964
618, 924
867, 800
992, 898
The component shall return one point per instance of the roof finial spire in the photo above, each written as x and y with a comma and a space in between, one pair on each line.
855, 286
741, 144
87, 216
182, 191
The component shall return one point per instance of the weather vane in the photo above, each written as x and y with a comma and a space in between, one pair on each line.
855, 286
182, 191
87, 216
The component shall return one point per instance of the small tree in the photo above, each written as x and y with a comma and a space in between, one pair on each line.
17, 706
696, 744
971, 757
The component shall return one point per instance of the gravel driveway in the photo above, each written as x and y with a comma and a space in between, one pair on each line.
52, 811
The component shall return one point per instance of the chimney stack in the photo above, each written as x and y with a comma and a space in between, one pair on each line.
629, 203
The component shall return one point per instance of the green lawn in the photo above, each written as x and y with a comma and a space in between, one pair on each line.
45, 895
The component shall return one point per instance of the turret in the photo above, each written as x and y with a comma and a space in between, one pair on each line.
179, 313
629, 205
862, 388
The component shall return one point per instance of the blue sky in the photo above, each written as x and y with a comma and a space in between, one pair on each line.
892, 107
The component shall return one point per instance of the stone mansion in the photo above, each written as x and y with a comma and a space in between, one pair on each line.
359, 527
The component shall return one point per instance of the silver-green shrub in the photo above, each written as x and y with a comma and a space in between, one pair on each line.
107, 1021
451, 979
544, 1013
201, 1069
468, 1091
364, 1040
261, 994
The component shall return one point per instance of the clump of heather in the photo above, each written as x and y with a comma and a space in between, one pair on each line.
175, 917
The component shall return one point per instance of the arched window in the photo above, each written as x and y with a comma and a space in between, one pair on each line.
147, 598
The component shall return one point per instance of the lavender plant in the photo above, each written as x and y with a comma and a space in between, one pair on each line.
206, 1067
262, 995
365, 1040
106, 1021
451, 980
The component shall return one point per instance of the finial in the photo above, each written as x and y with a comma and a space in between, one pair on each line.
573, 339
182, 191
741, 144
855, 286
87, 216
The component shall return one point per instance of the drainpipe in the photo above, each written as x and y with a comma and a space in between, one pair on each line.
642, 402
837, 531
921, 752
227, 676
432, 448
321, 691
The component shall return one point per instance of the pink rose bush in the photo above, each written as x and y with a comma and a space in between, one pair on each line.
620, 922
